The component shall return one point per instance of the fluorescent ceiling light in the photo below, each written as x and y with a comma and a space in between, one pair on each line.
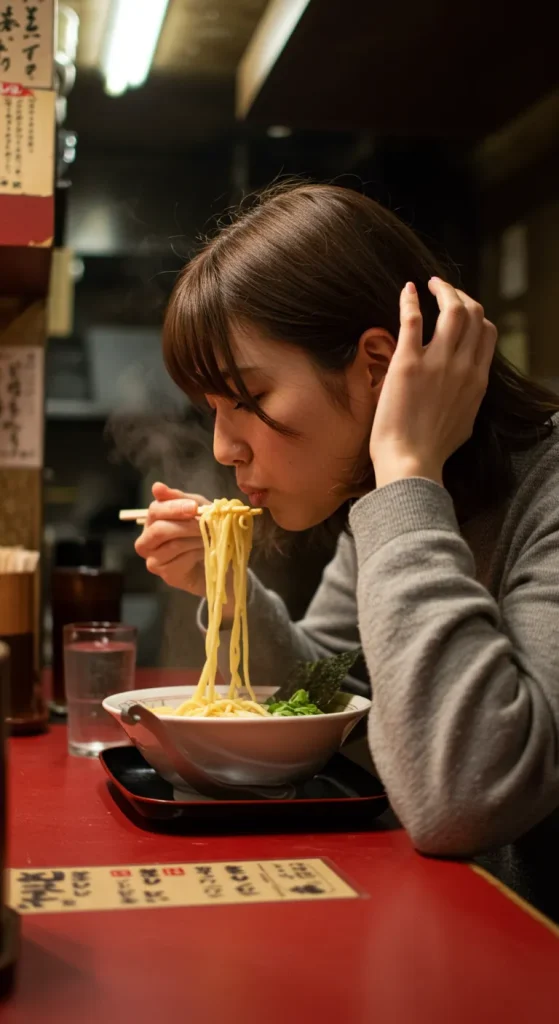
132, 35
277, 24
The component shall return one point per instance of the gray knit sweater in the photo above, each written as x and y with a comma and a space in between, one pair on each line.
461, 638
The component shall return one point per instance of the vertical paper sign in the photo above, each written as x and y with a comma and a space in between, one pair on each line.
27, 131
26, 42
21, 406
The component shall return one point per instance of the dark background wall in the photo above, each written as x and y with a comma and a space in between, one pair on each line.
158, 166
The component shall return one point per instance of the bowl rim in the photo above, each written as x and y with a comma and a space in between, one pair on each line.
152, 692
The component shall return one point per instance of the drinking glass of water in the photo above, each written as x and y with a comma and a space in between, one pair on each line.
99, 660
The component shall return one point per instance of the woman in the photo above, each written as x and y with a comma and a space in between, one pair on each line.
304, 326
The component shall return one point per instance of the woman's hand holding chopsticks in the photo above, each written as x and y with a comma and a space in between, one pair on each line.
171, 542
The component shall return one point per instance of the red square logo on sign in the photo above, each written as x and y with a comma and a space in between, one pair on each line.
121, 873
173, 871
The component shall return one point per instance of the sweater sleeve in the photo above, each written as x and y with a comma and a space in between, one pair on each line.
277, 643
465, 719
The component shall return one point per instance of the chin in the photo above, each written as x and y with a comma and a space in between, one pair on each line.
296, 518
291, 523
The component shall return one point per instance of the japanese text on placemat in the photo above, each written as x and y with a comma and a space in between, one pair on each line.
51, 890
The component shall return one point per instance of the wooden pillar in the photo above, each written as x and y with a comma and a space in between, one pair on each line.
27, 175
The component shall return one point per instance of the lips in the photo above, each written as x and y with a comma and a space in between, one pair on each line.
258, 498
255, 495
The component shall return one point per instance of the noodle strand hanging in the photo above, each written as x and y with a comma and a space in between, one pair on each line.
227, 528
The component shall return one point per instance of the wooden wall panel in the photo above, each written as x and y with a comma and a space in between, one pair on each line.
21, 489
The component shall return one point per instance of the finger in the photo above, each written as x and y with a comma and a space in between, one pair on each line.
186, 563
474, 309
486, 347
467, 299
174, 509
452, 317
172, 550
471, 336
162, 492
410, 338
161, 532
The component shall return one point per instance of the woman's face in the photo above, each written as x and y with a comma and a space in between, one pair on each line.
302, 480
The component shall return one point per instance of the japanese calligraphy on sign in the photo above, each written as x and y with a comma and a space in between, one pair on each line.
54, 890
21, 406
27, 130
26, 42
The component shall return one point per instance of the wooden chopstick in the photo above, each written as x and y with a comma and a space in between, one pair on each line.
139, 515
129, 515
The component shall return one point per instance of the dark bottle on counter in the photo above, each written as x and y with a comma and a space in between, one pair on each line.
26, 710
9, 921
81, 591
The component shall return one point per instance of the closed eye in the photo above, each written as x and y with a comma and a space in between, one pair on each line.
247, 408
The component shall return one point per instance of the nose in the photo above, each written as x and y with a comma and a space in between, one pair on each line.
229, 448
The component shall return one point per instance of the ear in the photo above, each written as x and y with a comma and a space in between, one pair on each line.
374, 352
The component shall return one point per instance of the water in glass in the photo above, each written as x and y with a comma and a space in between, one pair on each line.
94, 670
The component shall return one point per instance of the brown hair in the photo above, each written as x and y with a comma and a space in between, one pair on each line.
314, 266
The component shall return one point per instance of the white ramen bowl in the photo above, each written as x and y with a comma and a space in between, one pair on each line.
239, 751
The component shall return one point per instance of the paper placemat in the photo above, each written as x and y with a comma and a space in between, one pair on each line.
138, 886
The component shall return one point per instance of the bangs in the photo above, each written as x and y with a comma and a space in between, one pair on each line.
197, 343
196, 335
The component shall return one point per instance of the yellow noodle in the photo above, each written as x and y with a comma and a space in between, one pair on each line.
226, 528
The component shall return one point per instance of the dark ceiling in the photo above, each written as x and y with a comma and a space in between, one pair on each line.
431, 69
